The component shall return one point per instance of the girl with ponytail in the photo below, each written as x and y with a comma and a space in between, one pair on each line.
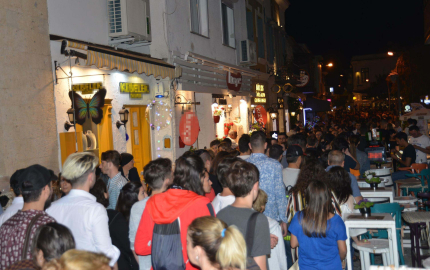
213, 245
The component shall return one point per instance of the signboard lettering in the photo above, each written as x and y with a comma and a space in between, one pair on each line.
260, 115
134, 89
189, 128
234, 81
86, 88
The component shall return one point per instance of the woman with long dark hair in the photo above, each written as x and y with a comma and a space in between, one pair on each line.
174, 210
318, 232
131, 193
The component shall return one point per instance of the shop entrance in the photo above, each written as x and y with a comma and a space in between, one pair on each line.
139, 144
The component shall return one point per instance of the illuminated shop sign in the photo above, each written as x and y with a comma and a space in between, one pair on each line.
86, 88
134, 89
260, 93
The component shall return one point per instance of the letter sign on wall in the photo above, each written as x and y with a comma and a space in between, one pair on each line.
189, 128
234, 81
260, 115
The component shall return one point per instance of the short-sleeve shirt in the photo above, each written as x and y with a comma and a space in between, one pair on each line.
423, 141
409, 151
12, 235
239, 217
114, 186
319, 252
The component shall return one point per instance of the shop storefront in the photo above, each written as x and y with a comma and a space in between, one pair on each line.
115, 97
220, 94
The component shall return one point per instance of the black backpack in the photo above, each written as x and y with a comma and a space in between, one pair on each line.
167, 246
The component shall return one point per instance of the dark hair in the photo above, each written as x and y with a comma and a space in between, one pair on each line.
241, 177
127, 197
318, 208
340, 144
324, 159
275, 151
258, 138
223, 167
224, 145
414, 128
282, 134
340, 183
310, 171
188, 173
412, 121
215, 142
112, 156
98, 190
219, 156
402, 135
312, 140
31, 196
156, 171
291, 159
391, 132
298, 139
53, 239
15, 182
363, 129
227, 141
244, 143
204, 155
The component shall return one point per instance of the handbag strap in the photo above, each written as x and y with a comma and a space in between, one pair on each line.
27, 236
250, 231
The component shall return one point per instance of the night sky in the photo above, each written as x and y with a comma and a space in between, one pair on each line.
340, 29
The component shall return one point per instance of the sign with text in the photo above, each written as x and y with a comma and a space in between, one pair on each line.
87, 88
189, 128
260, 115
234, 81
134, 89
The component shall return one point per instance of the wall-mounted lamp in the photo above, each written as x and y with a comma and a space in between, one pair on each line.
293, 113
159, 90
71, 115
273, 116
123, 116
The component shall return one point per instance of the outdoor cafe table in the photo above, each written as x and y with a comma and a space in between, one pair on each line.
383, 192
375, 221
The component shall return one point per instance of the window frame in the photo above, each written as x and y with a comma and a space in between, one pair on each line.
228, 6
199, 16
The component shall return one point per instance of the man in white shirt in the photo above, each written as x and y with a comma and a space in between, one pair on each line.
18, 201
79, 211
158, 176
294, 158
245, 151
421, 143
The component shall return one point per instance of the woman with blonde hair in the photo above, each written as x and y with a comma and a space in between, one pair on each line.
213, 245
79, 260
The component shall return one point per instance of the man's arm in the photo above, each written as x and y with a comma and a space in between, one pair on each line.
261, 262
425, 150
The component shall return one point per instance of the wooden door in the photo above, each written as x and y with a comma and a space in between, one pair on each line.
140, 137
104, 131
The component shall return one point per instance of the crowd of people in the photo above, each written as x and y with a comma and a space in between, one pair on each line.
244, 205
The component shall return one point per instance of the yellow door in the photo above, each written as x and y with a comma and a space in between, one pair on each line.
104, 131
140, 137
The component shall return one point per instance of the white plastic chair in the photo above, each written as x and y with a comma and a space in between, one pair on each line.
375, 246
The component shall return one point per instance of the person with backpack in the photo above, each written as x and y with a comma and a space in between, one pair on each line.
319, 233
214, 245
243, 179
162, 231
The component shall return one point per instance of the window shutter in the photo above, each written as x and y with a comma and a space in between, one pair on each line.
250, 24
195, 22
260, 38
115, 20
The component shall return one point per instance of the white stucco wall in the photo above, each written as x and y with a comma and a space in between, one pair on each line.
111, 82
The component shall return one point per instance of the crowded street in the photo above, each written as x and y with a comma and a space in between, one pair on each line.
214, 135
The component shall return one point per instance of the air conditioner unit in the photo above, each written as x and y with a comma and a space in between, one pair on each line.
248, 53
129, 18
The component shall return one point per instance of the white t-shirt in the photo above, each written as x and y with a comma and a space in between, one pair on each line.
289, 176
221, 202
244, 157
423, 142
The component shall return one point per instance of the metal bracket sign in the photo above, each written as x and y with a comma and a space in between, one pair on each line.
134, 89
86, 88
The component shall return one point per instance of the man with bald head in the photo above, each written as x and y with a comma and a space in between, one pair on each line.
337, 158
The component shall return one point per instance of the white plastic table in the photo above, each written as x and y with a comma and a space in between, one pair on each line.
385, 192
375, 221
362, 184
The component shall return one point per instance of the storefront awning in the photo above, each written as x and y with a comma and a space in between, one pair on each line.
123, 60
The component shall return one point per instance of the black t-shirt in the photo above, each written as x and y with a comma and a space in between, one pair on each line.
349, 163
409, 151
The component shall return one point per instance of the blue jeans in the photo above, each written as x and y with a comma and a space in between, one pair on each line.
288, 253
399, 175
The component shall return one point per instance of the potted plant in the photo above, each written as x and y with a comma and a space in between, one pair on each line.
217, 114
372, 180
364, 207
378, 164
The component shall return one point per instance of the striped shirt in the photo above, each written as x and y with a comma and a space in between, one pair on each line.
114, 186
297, 202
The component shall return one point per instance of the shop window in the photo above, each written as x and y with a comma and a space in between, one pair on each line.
228, 25
364, 75
199, 17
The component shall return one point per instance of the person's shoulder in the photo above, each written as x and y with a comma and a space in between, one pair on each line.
139, 206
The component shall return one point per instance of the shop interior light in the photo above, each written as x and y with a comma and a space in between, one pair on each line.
123, 116
273, 116
252, 106
71, 115
242, 100
293, 113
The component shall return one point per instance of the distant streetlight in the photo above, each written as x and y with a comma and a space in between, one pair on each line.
330, 64
367, 80
390, 53
341, 75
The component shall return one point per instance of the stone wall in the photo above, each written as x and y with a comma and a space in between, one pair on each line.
27, 111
